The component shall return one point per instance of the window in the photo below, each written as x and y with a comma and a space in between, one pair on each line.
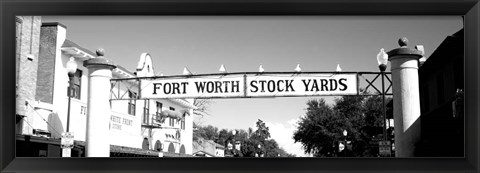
159, 110
158, 146
146, 111
131, 102
182, 125
74, 92
145, 144
171, 121
77, 84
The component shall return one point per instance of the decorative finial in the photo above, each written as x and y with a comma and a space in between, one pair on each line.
222, 69
260, 69
100, 52
298, 69
403, 41
338, 68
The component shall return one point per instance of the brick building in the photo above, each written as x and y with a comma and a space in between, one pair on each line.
27, 51
136, 128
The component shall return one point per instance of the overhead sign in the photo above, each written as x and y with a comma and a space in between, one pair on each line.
253, 85
301, 85
198, 87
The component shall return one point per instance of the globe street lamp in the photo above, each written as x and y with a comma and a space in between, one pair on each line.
260, 150
382, 59
234, 132
71, 67
345, 144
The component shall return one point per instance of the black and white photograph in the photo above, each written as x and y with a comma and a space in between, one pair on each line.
240, 86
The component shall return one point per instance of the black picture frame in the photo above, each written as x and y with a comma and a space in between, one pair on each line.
470, 9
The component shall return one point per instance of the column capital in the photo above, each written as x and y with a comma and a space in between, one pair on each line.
404, 51
100, 60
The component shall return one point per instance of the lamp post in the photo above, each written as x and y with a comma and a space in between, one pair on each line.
236, 149
345, 144
71, 67
67, 138
234, 132
382, 59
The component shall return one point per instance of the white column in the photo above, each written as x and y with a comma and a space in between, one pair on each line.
100, 73
406, 99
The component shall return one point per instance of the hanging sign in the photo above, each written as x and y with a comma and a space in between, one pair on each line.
194, 87
252, 85
385, 148
301, 85
66, 140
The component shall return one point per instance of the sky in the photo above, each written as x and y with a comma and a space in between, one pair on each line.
242, 43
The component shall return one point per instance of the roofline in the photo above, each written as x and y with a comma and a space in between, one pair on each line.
79, 47
54, 24
73, 44
206, 152
125, 70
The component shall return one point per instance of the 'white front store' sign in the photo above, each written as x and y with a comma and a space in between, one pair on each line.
262, 85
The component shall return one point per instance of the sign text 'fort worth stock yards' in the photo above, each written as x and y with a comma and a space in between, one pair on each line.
262, 85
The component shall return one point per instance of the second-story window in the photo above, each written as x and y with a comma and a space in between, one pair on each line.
172, 119
146, 111
182, 125
159, 107
159, 110
131, 103
74, 92
77, 84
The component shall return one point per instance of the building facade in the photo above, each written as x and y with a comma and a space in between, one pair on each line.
208, 148
441, 80
26, 58
139, 126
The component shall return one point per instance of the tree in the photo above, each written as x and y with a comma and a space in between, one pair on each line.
223, 137
352, 109
201, 107
200, 110
321, 128
262, 133
206, 132
249, 140
373, 128
257, 137
283, 153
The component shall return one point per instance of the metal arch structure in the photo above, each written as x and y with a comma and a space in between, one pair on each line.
368, 83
